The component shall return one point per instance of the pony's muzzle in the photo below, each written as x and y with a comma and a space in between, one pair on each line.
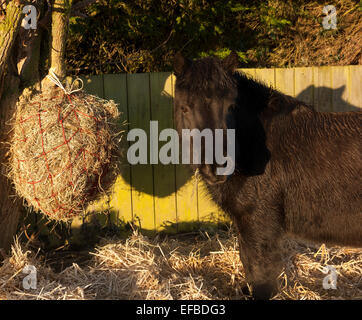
208, 173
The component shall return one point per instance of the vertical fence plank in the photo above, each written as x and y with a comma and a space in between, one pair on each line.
93, 85
267, 76
138, 90
356, 87
340, 94
248, 71
164, 175
186, 197
284, 80
115, 88
304, 88
322, 88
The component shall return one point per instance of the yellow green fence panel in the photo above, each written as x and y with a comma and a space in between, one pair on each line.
161, 197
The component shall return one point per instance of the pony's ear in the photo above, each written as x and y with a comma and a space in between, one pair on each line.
231, 62
341, 89
180, 63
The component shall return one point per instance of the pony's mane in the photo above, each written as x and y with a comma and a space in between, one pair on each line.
208, 76
205, 75
256, 96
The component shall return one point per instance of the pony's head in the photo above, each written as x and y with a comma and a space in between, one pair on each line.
209, 95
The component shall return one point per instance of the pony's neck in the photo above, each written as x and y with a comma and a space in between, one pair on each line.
253, 96
259, 99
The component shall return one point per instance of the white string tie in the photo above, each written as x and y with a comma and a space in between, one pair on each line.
53, 78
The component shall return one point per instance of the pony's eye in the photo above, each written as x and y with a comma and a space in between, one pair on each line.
184, 109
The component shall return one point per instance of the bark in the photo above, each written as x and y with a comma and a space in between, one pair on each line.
9, 28
20, 55
20, 51
60, 19
10, 207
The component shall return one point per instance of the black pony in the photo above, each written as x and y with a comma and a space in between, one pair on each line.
298, 171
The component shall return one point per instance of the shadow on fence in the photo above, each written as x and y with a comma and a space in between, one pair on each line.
326, 99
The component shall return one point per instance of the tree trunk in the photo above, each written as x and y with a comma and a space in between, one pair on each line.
10, 207
9, 28
60, 19
19, 68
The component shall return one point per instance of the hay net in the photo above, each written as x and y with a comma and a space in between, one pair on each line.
63, 150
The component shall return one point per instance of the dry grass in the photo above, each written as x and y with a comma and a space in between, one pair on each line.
306, 43
199, 267
62, 152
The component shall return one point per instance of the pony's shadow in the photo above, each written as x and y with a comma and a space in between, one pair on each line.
155, 179
162, 180
327, 99
158, 180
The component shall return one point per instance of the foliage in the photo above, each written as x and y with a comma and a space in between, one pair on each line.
143, 35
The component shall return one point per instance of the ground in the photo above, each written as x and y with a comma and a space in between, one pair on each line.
186, 266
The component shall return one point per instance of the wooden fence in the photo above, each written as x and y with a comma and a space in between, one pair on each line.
167, 197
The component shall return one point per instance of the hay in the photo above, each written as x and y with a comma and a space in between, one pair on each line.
306, 43
63, 151
198, 267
